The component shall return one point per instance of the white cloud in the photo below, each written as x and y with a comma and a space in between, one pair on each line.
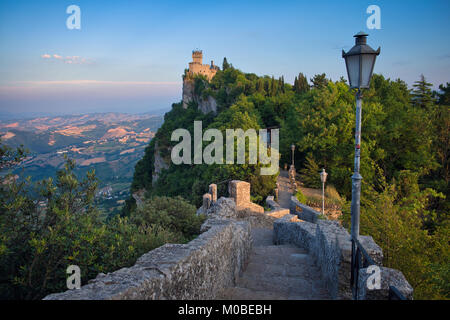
68, 59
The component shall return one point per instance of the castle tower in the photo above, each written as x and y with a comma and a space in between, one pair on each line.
197, 66
197, 56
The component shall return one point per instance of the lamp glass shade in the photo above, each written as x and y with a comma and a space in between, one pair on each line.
323, 176
353, 70
367, 64
360, 61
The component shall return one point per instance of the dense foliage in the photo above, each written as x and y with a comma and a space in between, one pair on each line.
405, 157
43, 231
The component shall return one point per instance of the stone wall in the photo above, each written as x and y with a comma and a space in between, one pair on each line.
247, 210
303, 211
276, 211
196, 270
203, 267
330, 246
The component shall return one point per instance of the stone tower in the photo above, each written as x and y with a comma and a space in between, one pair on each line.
197, 56
197, 66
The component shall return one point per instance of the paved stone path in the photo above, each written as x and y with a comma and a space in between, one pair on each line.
285, 190
282, 272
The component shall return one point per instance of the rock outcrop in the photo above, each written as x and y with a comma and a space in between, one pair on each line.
205, 105
159, 164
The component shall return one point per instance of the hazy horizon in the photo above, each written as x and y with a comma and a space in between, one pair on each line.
7, 117
130, 57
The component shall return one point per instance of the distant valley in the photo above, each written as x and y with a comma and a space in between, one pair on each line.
110, 143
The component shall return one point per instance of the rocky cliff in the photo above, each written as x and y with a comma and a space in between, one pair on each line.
205, 104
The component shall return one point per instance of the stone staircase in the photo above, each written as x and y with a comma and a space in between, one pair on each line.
283, 272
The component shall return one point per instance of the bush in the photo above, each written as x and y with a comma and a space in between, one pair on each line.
309, 175
301, 197
174, 214
43, 231
332, 197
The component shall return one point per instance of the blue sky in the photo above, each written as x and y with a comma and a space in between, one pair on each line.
129, 55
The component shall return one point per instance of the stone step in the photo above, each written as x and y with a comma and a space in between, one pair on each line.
277, 272
238, 293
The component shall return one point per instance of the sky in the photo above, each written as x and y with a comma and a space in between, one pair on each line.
129, 56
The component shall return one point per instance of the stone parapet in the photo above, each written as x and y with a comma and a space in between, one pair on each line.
330, 246
388, 277
276, 210
239, 191
303, 211
196, 270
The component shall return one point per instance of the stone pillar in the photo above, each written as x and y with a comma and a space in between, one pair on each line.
239, 192
213, 192
206, 201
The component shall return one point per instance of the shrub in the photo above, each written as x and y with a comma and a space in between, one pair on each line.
301, 197
309, 175
38, 242
332, 197
174, 214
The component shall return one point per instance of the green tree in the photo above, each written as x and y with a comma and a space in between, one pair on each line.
173, 214
422, 95
301, 84
50, 225
393, 218
309, 175
225, 64
319, 81
443, 97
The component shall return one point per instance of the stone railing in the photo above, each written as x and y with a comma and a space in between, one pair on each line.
303, 211
199, 269
276, 211
330, 246
202, 268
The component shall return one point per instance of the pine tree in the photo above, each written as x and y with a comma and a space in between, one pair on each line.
422, 96
225, 64
273, 87
444, 97
267, 86
310, 174
302, 84
319, 81
281, 84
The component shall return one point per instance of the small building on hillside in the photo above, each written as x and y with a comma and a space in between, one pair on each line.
197, 66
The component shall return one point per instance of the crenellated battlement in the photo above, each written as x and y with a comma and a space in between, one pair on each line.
196, 67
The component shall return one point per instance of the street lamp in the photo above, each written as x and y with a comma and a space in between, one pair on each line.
323, 178
360, 61
293, 149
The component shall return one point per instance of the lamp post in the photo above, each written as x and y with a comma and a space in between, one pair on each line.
292, 173
360, 61
323, 178
293, 149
